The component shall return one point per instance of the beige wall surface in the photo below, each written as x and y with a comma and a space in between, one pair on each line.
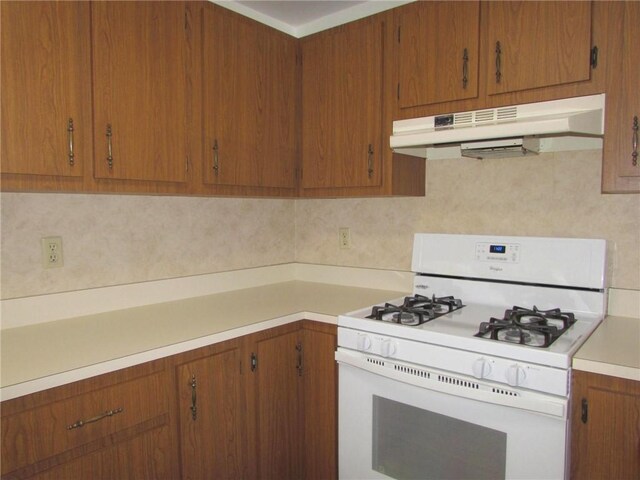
554, 194
114, 239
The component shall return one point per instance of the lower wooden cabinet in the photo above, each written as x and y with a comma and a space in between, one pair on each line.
605, 427
211, 413
259, 406
116, 425
320, 377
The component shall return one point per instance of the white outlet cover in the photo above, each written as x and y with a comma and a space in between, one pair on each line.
52, 252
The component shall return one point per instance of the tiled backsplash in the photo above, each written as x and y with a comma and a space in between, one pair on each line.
112, 240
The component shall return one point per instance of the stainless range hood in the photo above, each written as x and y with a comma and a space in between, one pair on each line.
502, 131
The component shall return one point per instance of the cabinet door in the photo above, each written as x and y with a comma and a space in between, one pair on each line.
320, 373
211, 416
605, 427
45, 95
537, 44
277, 401
621, 169
438, 52
143, 457
139, 75
249, 76
342, 106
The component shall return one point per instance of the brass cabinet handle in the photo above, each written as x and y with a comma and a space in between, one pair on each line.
299, 365
370, 161
194, 407
498, 62
216, 165
465, 68
634, 142
82, 423
72, 159
109, 150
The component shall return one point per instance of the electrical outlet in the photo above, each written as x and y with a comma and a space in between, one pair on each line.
52, 252
344, 237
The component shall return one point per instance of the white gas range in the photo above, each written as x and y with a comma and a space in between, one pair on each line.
482, 348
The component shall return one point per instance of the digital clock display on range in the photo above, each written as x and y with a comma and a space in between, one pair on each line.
498, 249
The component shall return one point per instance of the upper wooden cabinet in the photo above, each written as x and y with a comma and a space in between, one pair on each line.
621, 153
537, 44
46, 88
249, 102
438, 52
139, 90
342, 80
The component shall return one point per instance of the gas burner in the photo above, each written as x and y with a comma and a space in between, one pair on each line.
415, 310
532, 327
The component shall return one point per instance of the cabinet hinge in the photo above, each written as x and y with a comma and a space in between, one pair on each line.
186, 21
398, 34
594, 57
254, 362
186, 164
585, 410
398, 92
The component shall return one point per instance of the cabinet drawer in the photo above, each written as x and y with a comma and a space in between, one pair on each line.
38, 433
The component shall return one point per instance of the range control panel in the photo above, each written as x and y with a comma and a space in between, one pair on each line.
498, 252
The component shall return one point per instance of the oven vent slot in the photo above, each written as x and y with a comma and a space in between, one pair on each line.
416, 372
375, 361
458, 382
505, 392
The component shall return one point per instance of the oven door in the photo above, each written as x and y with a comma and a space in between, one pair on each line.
408, 422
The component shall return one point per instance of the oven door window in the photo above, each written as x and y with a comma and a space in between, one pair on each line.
412, 443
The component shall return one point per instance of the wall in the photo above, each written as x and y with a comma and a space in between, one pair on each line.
112, 240
551, 195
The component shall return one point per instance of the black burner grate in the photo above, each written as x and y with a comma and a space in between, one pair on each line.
525, 326
416, 310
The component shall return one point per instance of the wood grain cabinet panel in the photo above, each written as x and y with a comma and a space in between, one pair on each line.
342, 77
537, 44
212, 419
320, 401
277, 402
82, 426
249, 102
621, 152
605, 427
438, 52
139, 90
46, 88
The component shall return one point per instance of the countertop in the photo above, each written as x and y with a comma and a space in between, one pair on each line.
613, 349
46, 355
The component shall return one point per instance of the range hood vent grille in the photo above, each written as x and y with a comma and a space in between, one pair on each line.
569, 117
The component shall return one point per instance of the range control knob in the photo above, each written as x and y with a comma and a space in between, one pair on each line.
388, 347
364, 342
516, 375
481, 368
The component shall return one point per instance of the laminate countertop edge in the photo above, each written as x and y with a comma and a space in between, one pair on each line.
613, 349
47, 355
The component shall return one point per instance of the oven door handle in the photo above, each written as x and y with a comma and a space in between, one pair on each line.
458, 385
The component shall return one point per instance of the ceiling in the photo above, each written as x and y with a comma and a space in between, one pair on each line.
304, 17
